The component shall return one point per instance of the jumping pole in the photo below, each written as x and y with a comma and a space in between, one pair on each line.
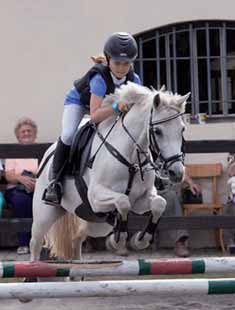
157, 288
209, 265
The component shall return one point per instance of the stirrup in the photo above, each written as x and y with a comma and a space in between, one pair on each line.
53, 193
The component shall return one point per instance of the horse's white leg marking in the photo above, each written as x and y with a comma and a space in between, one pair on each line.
44, 216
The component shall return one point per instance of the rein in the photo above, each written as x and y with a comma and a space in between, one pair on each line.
91, 160
132, 167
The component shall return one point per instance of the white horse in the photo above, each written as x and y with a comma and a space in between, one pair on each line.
154, 120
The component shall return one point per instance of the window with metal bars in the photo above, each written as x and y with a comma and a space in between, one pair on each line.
194, 56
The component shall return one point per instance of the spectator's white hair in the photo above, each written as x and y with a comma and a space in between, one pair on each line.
25, 121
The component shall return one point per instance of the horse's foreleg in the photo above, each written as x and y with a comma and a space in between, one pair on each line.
157, 207
157, 204
103, 199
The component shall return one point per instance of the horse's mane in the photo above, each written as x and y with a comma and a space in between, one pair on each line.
132, 93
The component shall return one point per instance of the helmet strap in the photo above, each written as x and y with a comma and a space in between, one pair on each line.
107, 59
117, 81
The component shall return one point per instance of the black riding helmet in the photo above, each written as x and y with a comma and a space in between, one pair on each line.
121, 46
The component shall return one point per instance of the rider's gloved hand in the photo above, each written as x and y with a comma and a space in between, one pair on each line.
123, 107
120, 107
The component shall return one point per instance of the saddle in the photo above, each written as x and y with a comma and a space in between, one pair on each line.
79, 161
81, 149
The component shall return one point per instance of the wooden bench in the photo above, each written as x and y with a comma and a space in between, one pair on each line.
211, 172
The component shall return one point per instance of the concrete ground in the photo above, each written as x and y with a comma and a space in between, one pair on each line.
223, 302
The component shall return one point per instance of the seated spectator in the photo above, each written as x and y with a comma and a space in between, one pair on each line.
173, 195
1, 169
20, 175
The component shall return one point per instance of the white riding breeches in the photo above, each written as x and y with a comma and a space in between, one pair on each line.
72, 116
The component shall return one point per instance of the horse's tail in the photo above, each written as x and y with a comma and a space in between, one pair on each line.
66, 235
61, 238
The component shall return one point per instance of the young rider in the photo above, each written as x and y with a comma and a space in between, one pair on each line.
86, 96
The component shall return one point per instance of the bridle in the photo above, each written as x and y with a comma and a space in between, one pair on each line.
138, 166
164, 162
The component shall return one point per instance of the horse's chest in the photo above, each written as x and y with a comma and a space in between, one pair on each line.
139, 185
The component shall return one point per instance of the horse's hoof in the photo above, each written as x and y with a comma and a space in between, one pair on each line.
137, 244
118, 248
108, 245
25, 300
122, 252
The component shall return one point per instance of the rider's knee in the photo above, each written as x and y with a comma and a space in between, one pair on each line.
67, 135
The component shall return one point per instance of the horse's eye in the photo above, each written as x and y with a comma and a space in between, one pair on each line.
183, 129
158, 132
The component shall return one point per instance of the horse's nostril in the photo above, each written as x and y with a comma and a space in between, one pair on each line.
172, 174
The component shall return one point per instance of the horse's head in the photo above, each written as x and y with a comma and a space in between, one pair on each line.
166, 132
164, 124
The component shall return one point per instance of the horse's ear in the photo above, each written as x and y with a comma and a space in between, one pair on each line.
183, 99
231, 158
163, 88
156, 100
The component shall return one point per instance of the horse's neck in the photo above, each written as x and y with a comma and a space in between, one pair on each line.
138, 124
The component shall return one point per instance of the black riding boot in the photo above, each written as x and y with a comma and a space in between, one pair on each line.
54, 192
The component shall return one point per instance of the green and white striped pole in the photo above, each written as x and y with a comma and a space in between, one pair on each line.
157, 288
209, 265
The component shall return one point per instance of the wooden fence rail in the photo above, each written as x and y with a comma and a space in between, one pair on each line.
12, 150
137, 222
